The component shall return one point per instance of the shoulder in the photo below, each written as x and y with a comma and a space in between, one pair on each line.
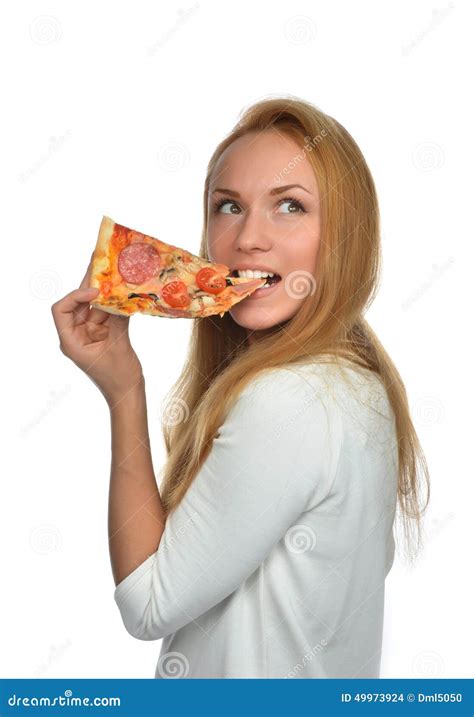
286, 385
327, 380
287, 399
342, 393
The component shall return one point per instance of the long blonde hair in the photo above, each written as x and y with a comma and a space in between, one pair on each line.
330, 321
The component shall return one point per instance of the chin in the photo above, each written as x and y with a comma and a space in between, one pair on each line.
255, 320
253, 325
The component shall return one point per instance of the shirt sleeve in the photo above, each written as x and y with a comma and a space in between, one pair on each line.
275, 457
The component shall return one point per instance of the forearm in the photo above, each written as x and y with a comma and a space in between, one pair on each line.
136, 517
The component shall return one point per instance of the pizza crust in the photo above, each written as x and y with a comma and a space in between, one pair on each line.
100, 259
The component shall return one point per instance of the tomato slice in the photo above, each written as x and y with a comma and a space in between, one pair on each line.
209, 281
176, 294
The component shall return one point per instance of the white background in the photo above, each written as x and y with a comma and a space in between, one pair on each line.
115, 108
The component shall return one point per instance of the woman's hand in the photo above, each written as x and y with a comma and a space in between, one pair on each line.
97, 342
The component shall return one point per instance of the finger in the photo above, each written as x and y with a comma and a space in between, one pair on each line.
97, 316
82, 313
87, 276
64, 310
97, 332
86, 313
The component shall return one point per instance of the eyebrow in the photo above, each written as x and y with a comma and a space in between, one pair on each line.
275, 190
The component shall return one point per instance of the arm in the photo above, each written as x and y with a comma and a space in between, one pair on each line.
275, 457
136, 516
99, 344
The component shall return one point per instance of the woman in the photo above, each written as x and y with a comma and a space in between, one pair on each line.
265, 552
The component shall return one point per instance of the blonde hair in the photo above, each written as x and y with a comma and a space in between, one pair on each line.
330, 321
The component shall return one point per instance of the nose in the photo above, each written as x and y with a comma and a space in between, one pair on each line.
254, 231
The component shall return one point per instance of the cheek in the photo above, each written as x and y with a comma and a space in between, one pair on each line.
218, 249
303, 255
211, 248
306, 257
215, 245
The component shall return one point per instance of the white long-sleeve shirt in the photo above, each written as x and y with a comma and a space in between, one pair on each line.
273, 565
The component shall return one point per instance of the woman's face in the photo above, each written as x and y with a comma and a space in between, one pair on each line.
262, 223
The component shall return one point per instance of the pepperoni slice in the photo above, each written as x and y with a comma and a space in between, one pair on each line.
138, 262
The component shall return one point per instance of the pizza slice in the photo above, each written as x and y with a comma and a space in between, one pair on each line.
138, 273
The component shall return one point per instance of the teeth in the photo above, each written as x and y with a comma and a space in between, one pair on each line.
253, 273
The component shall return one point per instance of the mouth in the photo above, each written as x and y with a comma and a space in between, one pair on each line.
269, 280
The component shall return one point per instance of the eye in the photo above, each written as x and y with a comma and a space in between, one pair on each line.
230, 206
294, 202
221, 203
